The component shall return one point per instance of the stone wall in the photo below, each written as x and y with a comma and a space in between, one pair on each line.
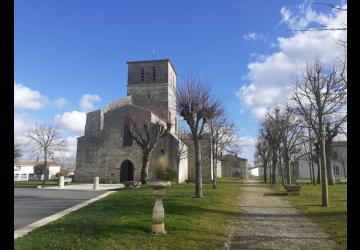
233, 167
102, 154
206, 159
157, 95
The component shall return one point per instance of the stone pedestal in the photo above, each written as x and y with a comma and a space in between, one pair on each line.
96, 183
158, 215
61, 181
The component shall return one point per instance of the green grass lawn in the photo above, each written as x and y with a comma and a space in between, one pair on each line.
123, 221
34, 183
333, 218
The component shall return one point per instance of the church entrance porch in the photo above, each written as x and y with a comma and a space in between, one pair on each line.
126, 171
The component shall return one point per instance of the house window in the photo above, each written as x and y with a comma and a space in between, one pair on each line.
336, 170
127, 139
154, 74
335, 155
142, 75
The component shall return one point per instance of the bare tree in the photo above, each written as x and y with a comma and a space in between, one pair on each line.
343, 160
307, 152
17, 151
196, 105
46, 141
146, 136
290, 133
320, 93
222, 135
272, 129
263, 152
332, 129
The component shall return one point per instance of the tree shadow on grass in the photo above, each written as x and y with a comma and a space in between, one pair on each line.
276, 194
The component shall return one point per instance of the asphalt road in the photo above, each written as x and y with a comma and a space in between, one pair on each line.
31, 204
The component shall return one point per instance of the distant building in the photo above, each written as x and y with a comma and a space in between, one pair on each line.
206, 157
338, 162
300, 168
233, 166
108, 151
24, 170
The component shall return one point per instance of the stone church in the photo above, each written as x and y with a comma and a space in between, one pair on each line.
106, 150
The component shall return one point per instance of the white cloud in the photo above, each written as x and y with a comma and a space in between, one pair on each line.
22, 122
246, 141
253, 36
73, 121
60, 102
247, 147
70, 153
250, 36
26, 98
271, 76
88, 102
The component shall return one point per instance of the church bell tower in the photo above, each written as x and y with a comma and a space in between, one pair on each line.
152, 85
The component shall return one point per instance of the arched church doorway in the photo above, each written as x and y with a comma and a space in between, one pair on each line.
126, 171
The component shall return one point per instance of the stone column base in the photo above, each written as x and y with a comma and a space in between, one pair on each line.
158, 229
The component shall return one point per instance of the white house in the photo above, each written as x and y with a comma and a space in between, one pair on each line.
302, 169
24, 170
338, 162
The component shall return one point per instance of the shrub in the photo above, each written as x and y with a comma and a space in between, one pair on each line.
61, 173
163, 169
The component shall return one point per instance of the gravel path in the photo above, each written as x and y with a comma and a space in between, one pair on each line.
272, 223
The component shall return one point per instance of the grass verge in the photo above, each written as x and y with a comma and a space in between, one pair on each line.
333, 219
123, 220
34, 184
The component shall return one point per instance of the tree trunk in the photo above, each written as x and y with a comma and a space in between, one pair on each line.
270, 175
198, 174
145, 167
319, 168
329, 168
312, 159
214, 173
324, 182
343, 164
281, 171
287, 166
311, 173
274, 165
313, 180
265, 171
46, 168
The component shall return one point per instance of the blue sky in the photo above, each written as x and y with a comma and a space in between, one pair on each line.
67, 49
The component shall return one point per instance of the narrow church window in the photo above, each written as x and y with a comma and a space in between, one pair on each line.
127, 138
142, 74
154, 74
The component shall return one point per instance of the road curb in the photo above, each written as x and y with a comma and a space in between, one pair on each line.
24, 230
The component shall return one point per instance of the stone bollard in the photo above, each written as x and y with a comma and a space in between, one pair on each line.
96, 183
61, 182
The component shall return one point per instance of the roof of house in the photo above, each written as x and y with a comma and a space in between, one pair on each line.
229, 156
339, 143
